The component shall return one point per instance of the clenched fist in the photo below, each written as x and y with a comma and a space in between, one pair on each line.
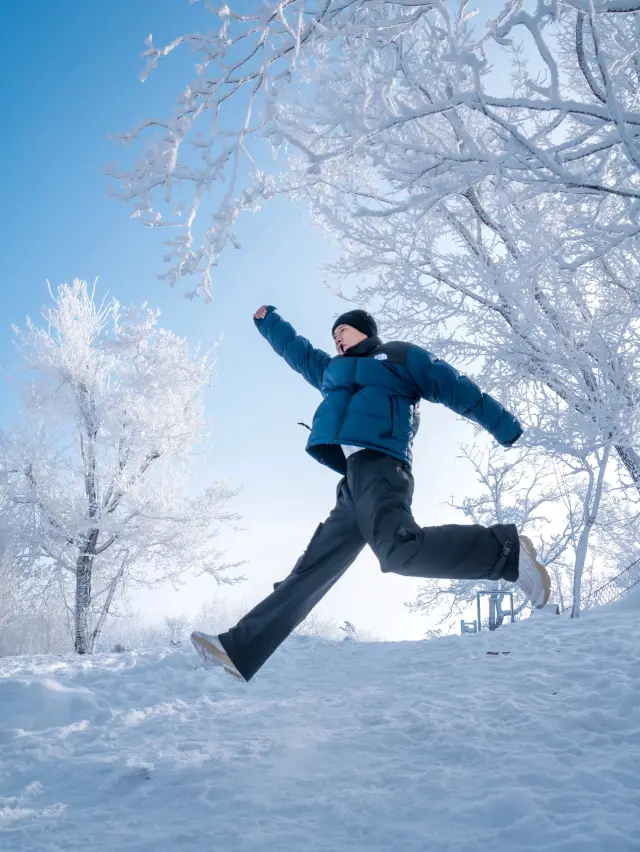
261, 312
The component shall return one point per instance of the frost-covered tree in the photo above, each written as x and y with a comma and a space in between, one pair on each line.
11, 597
555, 499
428, 100
32, 611
177, 628
483, 173
349, 631
99, 464
583, 513
518, 488
9, 583
33, 616
37, 621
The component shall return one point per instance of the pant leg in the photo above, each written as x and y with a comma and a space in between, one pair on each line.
333, 548
382, 489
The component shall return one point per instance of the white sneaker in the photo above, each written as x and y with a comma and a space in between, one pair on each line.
533, 577
211, 650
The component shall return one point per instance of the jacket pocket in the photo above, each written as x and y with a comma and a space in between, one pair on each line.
392, 419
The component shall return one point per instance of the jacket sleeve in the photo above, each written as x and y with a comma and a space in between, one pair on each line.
299, 354
438, 381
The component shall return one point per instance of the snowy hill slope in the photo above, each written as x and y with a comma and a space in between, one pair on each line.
344, 746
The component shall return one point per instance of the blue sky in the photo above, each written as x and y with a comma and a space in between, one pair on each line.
73, 79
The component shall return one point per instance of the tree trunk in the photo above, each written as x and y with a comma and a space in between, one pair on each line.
581, 555
83, 602
84, 641
590, 515
107, 605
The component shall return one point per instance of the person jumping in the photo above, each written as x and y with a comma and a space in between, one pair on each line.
364, 429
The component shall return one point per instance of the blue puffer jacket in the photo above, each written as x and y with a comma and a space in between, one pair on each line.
371, 394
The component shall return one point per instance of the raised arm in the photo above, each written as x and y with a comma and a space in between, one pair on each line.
438, 381
299, 354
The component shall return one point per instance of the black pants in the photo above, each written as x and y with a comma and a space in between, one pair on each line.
374, 508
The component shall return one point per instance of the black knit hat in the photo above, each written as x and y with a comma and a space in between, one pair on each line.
360, 320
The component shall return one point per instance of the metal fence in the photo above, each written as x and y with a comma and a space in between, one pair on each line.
612, 590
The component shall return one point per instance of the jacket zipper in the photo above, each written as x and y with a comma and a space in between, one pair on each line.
392, 415
346, 408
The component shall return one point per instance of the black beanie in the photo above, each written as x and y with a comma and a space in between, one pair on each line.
360, 320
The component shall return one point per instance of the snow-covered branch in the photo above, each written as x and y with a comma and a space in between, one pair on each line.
403, 99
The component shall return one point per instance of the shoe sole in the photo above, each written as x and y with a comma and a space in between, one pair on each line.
544, 574
546, 583
210, 654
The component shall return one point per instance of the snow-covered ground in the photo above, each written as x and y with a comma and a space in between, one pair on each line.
334, 746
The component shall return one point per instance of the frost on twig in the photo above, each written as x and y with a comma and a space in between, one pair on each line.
396, 108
